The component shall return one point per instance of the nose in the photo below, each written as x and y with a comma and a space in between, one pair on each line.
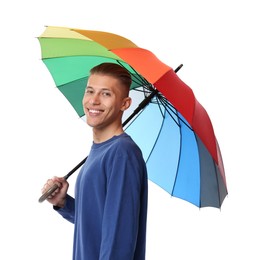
94, 100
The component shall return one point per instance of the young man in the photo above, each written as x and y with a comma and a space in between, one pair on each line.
109, 210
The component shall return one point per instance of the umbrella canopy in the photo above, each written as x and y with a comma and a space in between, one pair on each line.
172, 128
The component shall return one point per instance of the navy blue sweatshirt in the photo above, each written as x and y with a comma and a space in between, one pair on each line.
110, 206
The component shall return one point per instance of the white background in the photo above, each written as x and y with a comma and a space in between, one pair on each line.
41, 135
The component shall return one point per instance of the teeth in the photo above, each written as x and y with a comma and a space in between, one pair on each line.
94, 111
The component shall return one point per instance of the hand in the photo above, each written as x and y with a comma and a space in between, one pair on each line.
58, 197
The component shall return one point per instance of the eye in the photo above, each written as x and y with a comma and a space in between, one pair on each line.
89, 91
106, 93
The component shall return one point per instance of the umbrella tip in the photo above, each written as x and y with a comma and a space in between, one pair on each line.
178, 68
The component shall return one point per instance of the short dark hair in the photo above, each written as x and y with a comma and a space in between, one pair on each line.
115, 70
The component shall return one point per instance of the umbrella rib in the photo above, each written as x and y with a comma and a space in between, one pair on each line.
156, 138
169, 107
137, 78
216, 172
178, 165
158, 102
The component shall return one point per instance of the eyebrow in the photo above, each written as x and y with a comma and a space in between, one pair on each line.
102, 89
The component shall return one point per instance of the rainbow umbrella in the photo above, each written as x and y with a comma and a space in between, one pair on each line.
170, 126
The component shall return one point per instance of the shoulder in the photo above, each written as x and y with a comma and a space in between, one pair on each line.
126, 157
124, 147
130, 154
124, 142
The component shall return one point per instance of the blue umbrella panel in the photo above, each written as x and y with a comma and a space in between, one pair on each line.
176, 159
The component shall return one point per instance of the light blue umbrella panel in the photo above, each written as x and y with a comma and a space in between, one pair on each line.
170, 150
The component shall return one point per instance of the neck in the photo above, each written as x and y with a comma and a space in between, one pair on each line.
99, 135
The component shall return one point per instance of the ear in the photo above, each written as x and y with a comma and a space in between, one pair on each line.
126, 103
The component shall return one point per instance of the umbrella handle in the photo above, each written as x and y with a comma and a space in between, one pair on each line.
46, 194
54, 187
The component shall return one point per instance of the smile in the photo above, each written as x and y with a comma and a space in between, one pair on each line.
94, 111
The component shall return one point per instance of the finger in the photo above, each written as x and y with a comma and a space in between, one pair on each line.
49, 193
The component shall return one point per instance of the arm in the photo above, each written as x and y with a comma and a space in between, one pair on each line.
121, 213
68, 210
61, 201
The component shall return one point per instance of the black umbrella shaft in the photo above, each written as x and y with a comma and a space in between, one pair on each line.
146, 101
74, 169
142, 105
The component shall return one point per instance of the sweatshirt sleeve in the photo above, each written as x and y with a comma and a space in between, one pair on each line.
68, 211
121, 213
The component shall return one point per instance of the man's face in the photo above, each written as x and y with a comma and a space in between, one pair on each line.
104, 101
